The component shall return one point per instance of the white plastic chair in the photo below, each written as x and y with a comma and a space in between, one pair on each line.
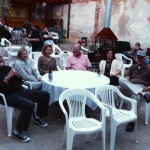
147, 112
9, 115
125, 66
56, 49
117, 116
76, 121
147, 106
63, 58
35, 57
6, 55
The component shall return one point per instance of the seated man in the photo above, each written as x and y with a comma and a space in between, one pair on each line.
78, 61
24, 100
137, 81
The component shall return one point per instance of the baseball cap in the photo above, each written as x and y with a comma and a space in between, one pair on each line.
48, 42
141, 53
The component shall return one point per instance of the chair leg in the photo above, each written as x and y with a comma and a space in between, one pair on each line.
103, 140
64, 136
136, 131
70, 137
9, 115
113, 135
147, 111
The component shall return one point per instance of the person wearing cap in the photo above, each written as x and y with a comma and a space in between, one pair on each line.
133, 52
137, 82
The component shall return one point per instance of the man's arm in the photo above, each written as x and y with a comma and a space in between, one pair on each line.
68, 63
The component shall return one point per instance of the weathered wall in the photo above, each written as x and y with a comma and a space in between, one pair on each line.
130, 19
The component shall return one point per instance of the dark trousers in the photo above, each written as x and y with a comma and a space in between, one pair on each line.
25, 100
114, 80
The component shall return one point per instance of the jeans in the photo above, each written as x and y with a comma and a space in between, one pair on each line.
25, 100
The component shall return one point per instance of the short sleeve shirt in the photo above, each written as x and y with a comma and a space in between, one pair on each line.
78, 63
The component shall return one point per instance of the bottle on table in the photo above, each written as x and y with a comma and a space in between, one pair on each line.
50, 75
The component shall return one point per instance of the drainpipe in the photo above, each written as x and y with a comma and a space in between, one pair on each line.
68, 23
108, 13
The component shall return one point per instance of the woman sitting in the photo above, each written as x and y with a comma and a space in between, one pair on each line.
46, 62
24, 66
111, 67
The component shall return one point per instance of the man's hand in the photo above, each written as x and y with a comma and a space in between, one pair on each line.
12, 73
146, 88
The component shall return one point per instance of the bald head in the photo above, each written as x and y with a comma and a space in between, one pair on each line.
76, 50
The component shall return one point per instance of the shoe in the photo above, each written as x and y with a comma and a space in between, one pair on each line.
21, 137
130, 127
147, 98
40, 122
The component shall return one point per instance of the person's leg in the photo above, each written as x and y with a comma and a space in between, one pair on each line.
114, 80
128, 88
41, 98
25, 106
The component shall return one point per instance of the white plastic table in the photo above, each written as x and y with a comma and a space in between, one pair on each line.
65, 79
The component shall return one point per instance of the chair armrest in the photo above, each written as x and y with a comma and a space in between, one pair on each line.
84, 49
28, 83
132, 101
4, 100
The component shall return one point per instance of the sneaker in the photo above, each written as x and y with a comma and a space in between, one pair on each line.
39, 121
147, 98
130, 127
21, 137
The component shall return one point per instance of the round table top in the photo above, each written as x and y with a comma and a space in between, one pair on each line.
76, 79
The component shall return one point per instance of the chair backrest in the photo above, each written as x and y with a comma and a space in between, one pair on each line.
56, 49
106, 94
6, 55
35, 57
62, 33
76, 100
63, 58
122, 57
4, 41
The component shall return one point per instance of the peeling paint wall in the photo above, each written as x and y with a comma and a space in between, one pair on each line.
130, 19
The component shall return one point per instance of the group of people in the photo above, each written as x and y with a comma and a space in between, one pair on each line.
23, 100
133, 52
137, 77
36, 38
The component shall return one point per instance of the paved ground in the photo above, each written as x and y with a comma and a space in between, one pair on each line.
51, 138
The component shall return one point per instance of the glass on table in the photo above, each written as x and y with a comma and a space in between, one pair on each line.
98, 72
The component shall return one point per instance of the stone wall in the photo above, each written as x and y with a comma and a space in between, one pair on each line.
130, 20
